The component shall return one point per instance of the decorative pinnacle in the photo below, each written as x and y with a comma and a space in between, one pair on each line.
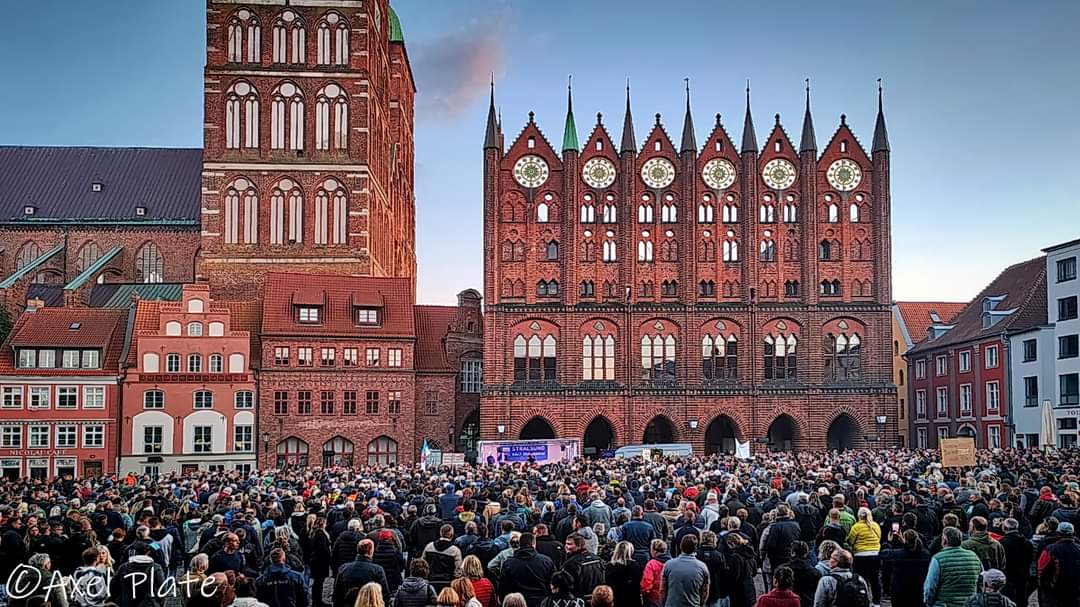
532, 116
658, 119
777, 119
879, 105
843, 119
718, 119
599, 118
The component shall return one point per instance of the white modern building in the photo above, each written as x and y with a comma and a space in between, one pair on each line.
1045, 360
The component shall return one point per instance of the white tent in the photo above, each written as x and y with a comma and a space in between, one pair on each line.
1048, 436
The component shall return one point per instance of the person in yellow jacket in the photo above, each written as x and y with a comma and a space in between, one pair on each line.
865, 541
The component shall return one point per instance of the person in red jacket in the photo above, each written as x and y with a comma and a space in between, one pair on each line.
652, 578
781, 594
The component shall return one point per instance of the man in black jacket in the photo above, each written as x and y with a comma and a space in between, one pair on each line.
351, 577
806, 577
585, 569
415, 591
547, 545
425, 530
709, 554
138, 580
280, 586
527, 572
344, 549
1019, 553
782, 534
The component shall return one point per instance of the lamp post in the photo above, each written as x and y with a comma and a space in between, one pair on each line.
501, 429
881, 419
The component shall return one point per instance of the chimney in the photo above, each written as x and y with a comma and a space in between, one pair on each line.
33, 305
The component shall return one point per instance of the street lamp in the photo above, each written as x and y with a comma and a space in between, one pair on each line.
501, 429
693, 424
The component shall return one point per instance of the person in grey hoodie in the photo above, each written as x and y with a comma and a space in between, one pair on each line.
581, 526
415, 591
598, 511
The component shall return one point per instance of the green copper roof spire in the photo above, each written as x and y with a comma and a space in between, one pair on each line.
809, 140
569, 138
749, 138
689, 140
881, 134
628, 144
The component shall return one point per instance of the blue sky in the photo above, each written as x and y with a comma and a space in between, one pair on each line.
980, 99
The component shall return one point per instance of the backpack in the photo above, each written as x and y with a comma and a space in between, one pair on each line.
850, 591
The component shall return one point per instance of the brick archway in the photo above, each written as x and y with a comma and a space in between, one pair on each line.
599, 434
721, 432
536, 427
659, 429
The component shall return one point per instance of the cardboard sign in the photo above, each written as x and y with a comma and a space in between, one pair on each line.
453, 459
957, 452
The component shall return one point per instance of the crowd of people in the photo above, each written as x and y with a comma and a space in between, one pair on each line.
844, 529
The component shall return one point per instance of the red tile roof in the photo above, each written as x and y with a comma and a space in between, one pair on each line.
52, 327
432, 325
244, 316
916, 315
1023, 287
341, 292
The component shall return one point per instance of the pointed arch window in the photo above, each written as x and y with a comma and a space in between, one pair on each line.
287, 118
332, 46
843, 357
241, 212
588, 251
825, 250
791, 288
781, 361
292, 452
647, 289
707, 288
669, 250
598, 358
244, 38
547, 288
645, 213
290, 39
731, 213
588, 213
731, 250
669, 213
719, 357
588, 289
382, 452
853, 213
551, 251
534, 359
830, 288
332, 118
705, 212
610, 213
706, 251
27, 254
768, 249
832, 213
658, 358
331, 213
791, 212
241, 117
645, 250
88, 254
767, 213
149, 264
609, 251
611, 290
669, 288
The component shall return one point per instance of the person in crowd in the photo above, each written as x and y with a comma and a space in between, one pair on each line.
651, 577
483, 589
1059, 569
990, 552
351, 577
782, 593
603, 596
907, 567
562, 592
993, 581
443, 557
1019, 555
865, 541
321, 556
804, 576
547, 545
245, 589
415, 590
465, 591
448, 598
953, 575
122, 588
623, 575
586, 570
684, 580
527, 572
842, 587
713, 559
741, 565
280, 585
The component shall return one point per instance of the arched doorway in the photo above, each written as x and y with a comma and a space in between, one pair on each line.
469, 435
599, 435
782, 433
658, 431
337, 451
538, 428
843, 433
720, 436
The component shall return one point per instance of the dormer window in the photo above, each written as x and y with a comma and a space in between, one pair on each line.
309, 315
367, 316
96, 186
140, 211
29, 210
990, 303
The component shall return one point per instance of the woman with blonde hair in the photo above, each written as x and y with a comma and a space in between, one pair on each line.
465, 591
865, 541
448, 597
514, 599
483, 589
370, 595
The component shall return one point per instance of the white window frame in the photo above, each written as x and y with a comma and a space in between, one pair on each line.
248, 440
12, 397
11, 437
993, 398
941, 365
991, 361
68, 431
93, 397
67, 390
393, 357
965, 400
941, 396
41, 432
965, 361
239, 395
99, 431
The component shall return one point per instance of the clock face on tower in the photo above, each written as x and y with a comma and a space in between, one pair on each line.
598, 173
844, 175
718, 174
778, 174
531, 171
658, 173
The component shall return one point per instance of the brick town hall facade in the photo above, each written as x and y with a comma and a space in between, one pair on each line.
252, 303
697, 294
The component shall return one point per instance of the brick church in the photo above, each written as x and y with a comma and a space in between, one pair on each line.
659, 291
293, 227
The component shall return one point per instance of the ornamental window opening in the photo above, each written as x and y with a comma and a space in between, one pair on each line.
552, 251
588, 289
588, 213
542, 211
833, 213
287, 117
547, 288
781, 361
598, 358
331, 118
609, 251
290, 39
645, 213
731, 250
719, 357
706, 250
534, 359
705, 213
331, 214
645, 250
853, 214
610, 213
707, 288
658, 358
669, 288
669, 213
843, 357
241, 117
669, 250
731, 213
767, 213
768, 250
244, 38
791, 212
830, 288
241, 213
791, 288
332, 46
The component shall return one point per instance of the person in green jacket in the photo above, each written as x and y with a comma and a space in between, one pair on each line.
990, 552
954, 573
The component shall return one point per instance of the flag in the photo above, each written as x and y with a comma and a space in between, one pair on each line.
425, 451
742, 449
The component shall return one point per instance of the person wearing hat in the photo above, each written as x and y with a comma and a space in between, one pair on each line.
1059, 568
993, 580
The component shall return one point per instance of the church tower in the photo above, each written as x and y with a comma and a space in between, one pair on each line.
308, 143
